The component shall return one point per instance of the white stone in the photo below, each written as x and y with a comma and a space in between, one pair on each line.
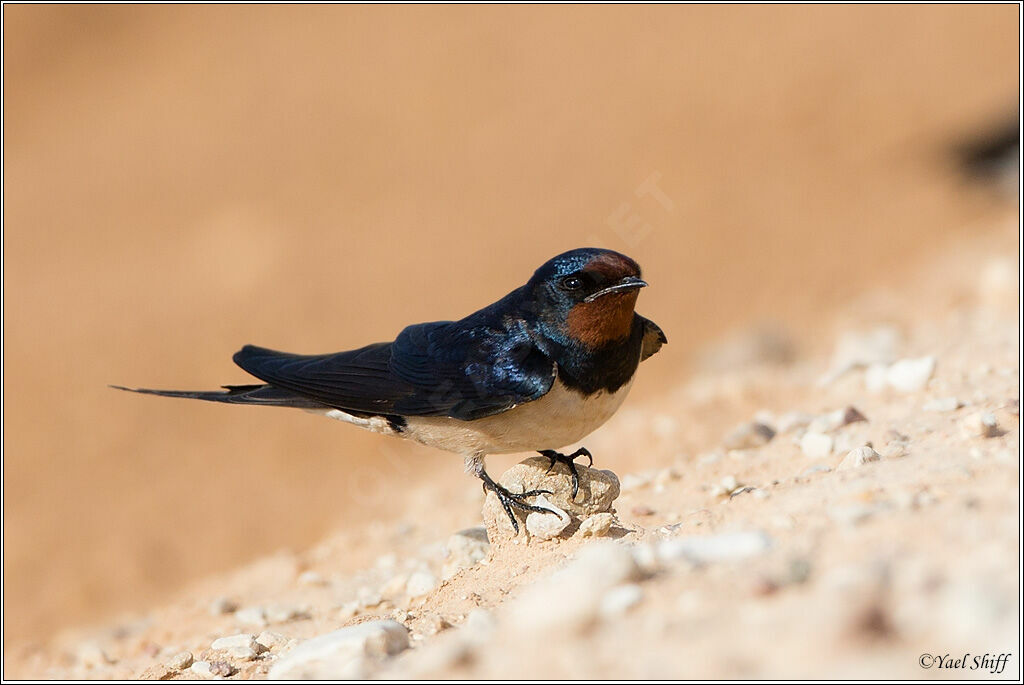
272, 640
253, 616
943, 404
910, 375
420, 583
876, 378
346, 653
858, 457
981, 425
241, 646
715, 548
544, 525
201, 669
597, 525
816, 445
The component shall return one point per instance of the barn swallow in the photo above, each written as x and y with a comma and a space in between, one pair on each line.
540, 368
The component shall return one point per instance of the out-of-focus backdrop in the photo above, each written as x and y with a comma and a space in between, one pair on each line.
179, 181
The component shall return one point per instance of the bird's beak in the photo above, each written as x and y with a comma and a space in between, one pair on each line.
627, 283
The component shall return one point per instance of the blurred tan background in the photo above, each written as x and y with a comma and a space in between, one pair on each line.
180, 181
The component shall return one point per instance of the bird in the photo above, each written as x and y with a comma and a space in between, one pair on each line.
541, 368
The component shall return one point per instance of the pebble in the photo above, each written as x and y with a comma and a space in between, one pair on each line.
817, 468
254, 616
544, 525
816, 445
92, 655
858, 457
749, 435
794, 421
465, 548
715, 548
346, 653
180, 661
876, 378
981, 425
910, 375
835, 420
943, 404
241, 646
642, 510
223, 605
283, 613
420, 583
207, 670
271, 640
222, 669
620, 599
597, 525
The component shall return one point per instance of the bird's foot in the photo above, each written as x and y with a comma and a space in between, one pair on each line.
513, 500
570, 461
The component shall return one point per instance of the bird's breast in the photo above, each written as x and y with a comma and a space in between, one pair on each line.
561, 417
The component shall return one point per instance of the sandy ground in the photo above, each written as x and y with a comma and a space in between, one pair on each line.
769, 559
180, 181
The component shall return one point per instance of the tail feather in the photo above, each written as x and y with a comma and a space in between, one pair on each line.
266, 395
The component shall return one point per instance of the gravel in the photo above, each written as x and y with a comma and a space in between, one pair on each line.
350, 652
858, 457
816, 445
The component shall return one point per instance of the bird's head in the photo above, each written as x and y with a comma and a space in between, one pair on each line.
587, 295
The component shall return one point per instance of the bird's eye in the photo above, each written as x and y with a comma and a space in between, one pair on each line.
572, 282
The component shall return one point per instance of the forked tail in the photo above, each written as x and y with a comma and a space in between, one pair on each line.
266, 395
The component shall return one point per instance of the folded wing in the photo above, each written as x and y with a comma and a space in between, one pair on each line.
433, 369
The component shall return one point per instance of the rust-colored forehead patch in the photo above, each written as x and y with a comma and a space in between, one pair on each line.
613, 266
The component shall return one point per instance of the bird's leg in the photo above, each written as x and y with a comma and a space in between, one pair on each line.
510, 500
570, 461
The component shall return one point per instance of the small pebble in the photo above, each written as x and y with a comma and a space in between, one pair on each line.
201, 669
750, 435
223, 605
816, 445
817, 468
943, 404
92, 655
241, 646
272, 640
547, 525
284, 613
254, 616
910, 375
858, 457
981, 425
222, 669
597, 525
420, 583
642, 510
794, 421
180, 661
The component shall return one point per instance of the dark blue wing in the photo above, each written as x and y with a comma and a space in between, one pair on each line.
435, 369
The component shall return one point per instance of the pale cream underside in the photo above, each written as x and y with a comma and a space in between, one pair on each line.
561, 417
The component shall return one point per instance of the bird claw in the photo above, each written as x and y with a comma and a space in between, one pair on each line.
570, 461
514, 500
